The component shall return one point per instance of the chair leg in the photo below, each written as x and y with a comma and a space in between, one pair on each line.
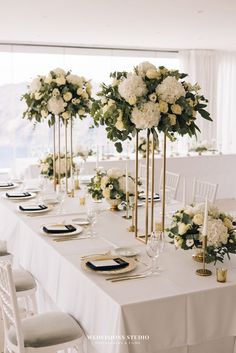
34, 304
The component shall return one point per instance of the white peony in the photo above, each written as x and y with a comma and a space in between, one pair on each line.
144, 67
56, 105
115, 173
198, 219
170, 90
132, 86
59, 72
212, 209
147, 116
217, 233
35, 85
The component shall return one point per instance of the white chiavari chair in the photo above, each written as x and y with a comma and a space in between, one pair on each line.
172, 183
203, 189
41, 333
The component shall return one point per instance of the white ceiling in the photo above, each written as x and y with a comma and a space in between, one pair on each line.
150, 24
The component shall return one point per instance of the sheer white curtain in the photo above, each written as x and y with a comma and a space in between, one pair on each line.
202, 67
226, 101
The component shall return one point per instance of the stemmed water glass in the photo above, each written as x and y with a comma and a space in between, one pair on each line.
155, 245
61, 195
92, 218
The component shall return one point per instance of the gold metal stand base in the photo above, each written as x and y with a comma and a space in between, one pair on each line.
114, 208
203, 272
131, 229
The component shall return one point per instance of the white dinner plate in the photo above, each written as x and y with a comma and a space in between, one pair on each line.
50, 201
81, 221
32, 195
132, 264
8, 187
32, 189
126, 251
49, 208
77, 231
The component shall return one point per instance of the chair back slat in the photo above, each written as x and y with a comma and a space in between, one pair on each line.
9, 304
172, 182
203, 189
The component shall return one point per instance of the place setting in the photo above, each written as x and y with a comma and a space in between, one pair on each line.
64, 231
4, 185
19, 195
34, 209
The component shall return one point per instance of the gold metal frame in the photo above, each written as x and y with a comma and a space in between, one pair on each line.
57, 175
144, 238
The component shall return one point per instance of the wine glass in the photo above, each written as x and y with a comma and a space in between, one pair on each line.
153, 248
61, 195
92, 218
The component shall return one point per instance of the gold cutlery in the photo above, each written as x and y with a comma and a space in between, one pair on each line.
121, 276
90, 255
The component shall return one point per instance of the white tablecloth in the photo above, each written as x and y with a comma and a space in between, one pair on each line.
175, 312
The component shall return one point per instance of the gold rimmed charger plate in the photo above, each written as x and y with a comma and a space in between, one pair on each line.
132, 264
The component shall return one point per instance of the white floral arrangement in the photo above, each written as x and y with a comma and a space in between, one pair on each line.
46, 166
112, 184
142, 145
60, 93
200, 146
94, 186
186, 228
150, 97
83, 152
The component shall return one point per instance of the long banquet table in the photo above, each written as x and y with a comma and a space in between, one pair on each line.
174, 312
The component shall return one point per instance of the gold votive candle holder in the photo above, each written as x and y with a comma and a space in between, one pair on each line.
221, 275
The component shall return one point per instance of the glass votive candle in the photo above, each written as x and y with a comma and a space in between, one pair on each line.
221, 275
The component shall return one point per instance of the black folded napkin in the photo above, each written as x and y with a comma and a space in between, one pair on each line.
67, 228
234, 223
96, 267
6, 185
155, 197
34, 208
23, 194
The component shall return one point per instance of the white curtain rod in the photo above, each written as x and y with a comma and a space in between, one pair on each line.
87, 47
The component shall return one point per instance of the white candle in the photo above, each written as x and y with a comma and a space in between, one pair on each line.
97, 157
204, 231
184, 192
126, 177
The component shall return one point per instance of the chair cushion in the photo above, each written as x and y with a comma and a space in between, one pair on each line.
47, 329
23, 280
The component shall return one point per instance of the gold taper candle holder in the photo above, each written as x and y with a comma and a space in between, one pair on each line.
127, 215
204, 271
221, 275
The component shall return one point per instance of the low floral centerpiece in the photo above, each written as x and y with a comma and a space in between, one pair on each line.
185, 231
142, 146
111, 185
94, 186
60, 93
46, 166
83, 152
152, 98
200, 147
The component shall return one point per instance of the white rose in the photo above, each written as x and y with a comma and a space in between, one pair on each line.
48, 79
67, 96
59, 72
144, 67
35, 85
38, 96
55, 92
104, 182
119, 125
183, 228
44, 113
106, 193
74, 79
198, 219
178, 241
60, 80
189, 243
81, 112
65, 115
152, 74
79, 91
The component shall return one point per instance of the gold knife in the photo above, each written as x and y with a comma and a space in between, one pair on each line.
127, 278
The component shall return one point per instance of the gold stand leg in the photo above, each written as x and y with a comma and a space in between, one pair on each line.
66, 156
136, 189
147, 187
54, 157
164, 186
59, 153
72, 193
203, 271
153, 186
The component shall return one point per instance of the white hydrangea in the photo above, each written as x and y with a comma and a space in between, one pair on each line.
59, 72
74, 79
217, 233
56, 105
170, 90
62, 165
131, 185
131, 87
144, 67
35, 85
146, 117
115, 173
104, 182
212, 210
